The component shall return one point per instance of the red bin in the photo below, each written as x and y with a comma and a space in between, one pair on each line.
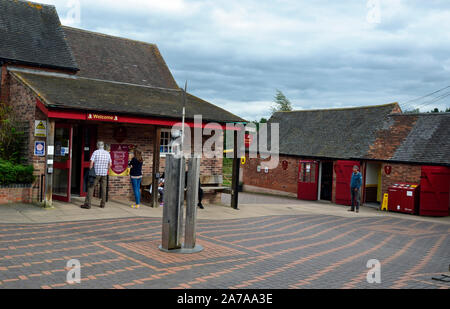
404, 197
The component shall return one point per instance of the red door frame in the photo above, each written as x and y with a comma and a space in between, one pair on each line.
67, 165
343, 170
308, 190
92, 129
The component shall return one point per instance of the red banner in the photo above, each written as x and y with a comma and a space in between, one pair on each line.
119, 158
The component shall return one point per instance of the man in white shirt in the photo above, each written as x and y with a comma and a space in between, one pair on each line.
101, 162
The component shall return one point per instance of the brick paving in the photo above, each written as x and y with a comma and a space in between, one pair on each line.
294, 251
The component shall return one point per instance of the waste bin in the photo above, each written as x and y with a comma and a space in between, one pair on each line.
404, 197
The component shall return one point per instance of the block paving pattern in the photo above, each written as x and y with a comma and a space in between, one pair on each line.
301, 251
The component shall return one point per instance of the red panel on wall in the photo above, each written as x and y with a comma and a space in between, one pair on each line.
344, 170
308, 180
435, 191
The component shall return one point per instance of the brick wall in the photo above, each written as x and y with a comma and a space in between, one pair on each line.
390, 138
15, 194
143, 137
278, 179
400, 173
23, 102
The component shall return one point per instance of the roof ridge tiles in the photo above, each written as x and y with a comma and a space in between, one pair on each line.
108, 35
340, 108
73, 76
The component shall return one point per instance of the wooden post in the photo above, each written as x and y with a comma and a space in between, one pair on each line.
235, 175
173, 203
49, 170
191, 202
155, 171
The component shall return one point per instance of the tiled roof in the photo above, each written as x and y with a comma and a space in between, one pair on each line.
73, 92
31, 34
373, 132
428, 141
113, 58
332, 133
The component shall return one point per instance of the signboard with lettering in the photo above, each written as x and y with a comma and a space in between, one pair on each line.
40, 128
102, 117
119, 157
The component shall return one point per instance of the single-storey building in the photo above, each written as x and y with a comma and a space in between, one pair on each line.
318, 149
72, 87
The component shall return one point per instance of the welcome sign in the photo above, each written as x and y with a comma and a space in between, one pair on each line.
102, 117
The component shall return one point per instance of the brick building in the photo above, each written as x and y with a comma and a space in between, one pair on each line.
319, 147
85, 86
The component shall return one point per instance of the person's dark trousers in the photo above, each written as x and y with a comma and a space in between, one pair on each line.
355, 198
200, 196
102, 180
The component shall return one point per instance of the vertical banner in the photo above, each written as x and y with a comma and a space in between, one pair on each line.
119, 157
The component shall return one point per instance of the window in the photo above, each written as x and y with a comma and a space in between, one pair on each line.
165, 146
168, 145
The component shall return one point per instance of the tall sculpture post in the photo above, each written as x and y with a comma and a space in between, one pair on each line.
173, 203
191, 205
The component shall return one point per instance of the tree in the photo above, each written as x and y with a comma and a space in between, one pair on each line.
412, 111
11, 137
282, 103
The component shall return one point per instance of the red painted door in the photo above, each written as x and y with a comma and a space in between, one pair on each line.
88, 144
62, 164
344, 170
308, 180
435, 191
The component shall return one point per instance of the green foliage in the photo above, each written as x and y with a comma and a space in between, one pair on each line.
282, 103
412, 111
11, 137
11, 173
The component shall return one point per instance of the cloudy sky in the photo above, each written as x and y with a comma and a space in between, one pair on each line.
320, 54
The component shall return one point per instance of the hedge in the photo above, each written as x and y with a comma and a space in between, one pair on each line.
11, 173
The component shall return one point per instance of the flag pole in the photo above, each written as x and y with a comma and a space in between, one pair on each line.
184, 115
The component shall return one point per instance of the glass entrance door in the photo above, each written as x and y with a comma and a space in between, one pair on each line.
62, 165
89, 141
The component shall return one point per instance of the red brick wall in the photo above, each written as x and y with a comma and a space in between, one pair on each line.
23, 102
276, 179
143, 137
388, 140
400, 173
15, 195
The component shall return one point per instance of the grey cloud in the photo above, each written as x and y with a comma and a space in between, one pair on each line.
319, 53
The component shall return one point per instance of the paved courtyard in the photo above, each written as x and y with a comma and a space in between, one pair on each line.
304, 250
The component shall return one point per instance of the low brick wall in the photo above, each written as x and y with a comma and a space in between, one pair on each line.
15, 194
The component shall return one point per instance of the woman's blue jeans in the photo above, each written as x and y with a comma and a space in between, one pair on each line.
136, 183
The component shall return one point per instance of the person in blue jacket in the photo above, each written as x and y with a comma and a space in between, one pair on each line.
355, 188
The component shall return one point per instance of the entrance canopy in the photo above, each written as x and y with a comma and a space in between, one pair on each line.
72, 97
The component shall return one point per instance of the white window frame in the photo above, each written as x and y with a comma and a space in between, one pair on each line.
168, 138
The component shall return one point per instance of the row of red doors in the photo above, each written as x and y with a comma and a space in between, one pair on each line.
308, 180
65, 164
434, 185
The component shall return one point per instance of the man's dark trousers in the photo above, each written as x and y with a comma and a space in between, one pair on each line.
102, 180
355, 198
